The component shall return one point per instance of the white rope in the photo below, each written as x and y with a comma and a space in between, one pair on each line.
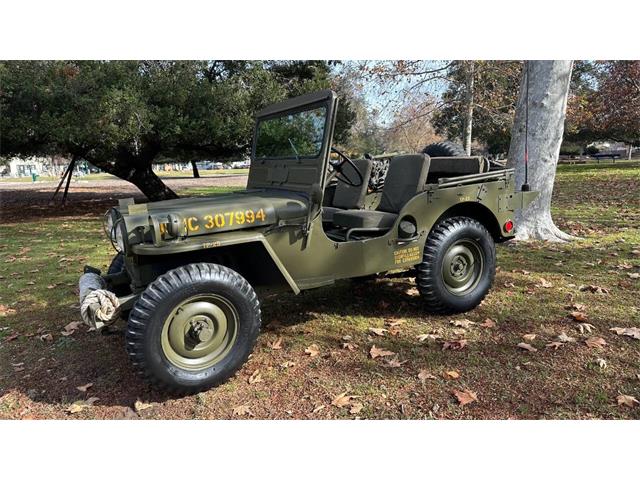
99, 308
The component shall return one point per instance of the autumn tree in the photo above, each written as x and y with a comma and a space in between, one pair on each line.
537, 135
123, 115
605, 102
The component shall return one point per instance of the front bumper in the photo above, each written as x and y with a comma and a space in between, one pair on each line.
99, 306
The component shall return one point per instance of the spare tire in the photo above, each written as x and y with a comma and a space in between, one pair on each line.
445, 149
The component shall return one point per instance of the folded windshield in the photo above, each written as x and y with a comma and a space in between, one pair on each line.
291, 135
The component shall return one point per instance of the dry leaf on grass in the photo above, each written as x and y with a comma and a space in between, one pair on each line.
276, 344
356, 408
312, 350
77, 407
578, 316
465, 396
627, 401
378, 331
318, 408
342, 400
395, 323
593, 289
451, 374
394, 362
139, 405
47, 337
585, 327
349, 346
425, 375
544, 283
255, 377
488, 323
4, 310
288, 364
454, 344
580, 307
564, 338
526, 346
241, 410
633, 332
555, 345
634, 275
427, 336
70, 328
601, 363
376, 352
462, 323
84, 388
529, 337
596, 342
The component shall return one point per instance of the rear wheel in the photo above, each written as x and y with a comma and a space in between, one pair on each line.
458, 266
193, 327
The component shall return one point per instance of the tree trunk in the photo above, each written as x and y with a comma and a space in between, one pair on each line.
548, 92
629, 151
150, 184
468, 100
194, 167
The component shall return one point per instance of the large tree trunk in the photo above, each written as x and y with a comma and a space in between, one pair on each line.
548, 91
467, 127
150, 184
194, 167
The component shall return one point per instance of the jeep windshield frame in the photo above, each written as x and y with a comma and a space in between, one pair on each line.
304, 170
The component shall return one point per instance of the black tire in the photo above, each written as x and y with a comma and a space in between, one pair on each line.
157, 305
445, 149
117, 266
449, 245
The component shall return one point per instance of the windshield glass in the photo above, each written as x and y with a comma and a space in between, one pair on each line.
294, 135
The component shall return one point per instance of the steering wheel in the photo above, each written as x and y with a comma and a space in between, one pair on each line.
339, 169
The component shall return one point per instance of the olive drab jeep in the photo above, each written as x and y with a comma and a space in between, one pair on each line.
186, 273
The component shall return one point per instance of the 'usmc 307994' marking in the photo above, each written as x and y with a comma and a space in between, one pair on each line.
220, 220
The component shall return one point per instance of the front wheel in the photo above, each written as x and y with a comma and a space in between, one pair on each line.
458, 266
193, 327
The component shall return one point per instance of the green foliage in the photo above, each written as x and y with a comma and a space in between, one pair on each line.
496, 87
294, 135
122, 115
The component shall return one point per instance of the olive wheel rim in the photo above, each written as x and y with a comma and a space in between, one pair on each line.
199, 332
463, 266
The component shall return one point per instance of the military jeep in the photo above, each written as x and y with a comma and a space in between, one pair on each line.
187, 270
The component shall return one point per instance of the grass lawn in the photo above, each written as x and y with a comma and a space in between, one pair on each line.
106, 176
537, 286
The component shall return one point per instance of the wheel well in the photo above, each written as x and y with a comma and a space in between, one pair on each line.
478, 212
251, 260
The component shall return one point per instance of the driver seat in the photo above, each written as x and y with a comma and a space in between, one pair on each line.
405, 178
348, 197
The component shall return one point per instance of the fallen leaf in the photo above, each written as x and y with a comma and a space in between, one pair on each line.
47, 337
580, 307
140, 405
601, 362
84, 388
4, 310
378, 331
465, 396
92, 400
578, 316
276, 344
288, 364
544, 283
554, 345
255, 377
627, 401
318, 408
241, 410
341, 400
564, 338
52, 286
395, 323
529, 337
427, 336
634, 275
312, 350
451, 374
454, 345
526, 346
356, 408
593, 289
488, 323
462, 323
349, 346
376, 352
585, 327
413, 292
633, 332
11, 337
596, 342
77, 407
395, 362
425, 375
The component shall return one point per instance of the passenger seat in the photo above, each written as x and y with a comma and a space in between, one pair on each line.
346, 196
